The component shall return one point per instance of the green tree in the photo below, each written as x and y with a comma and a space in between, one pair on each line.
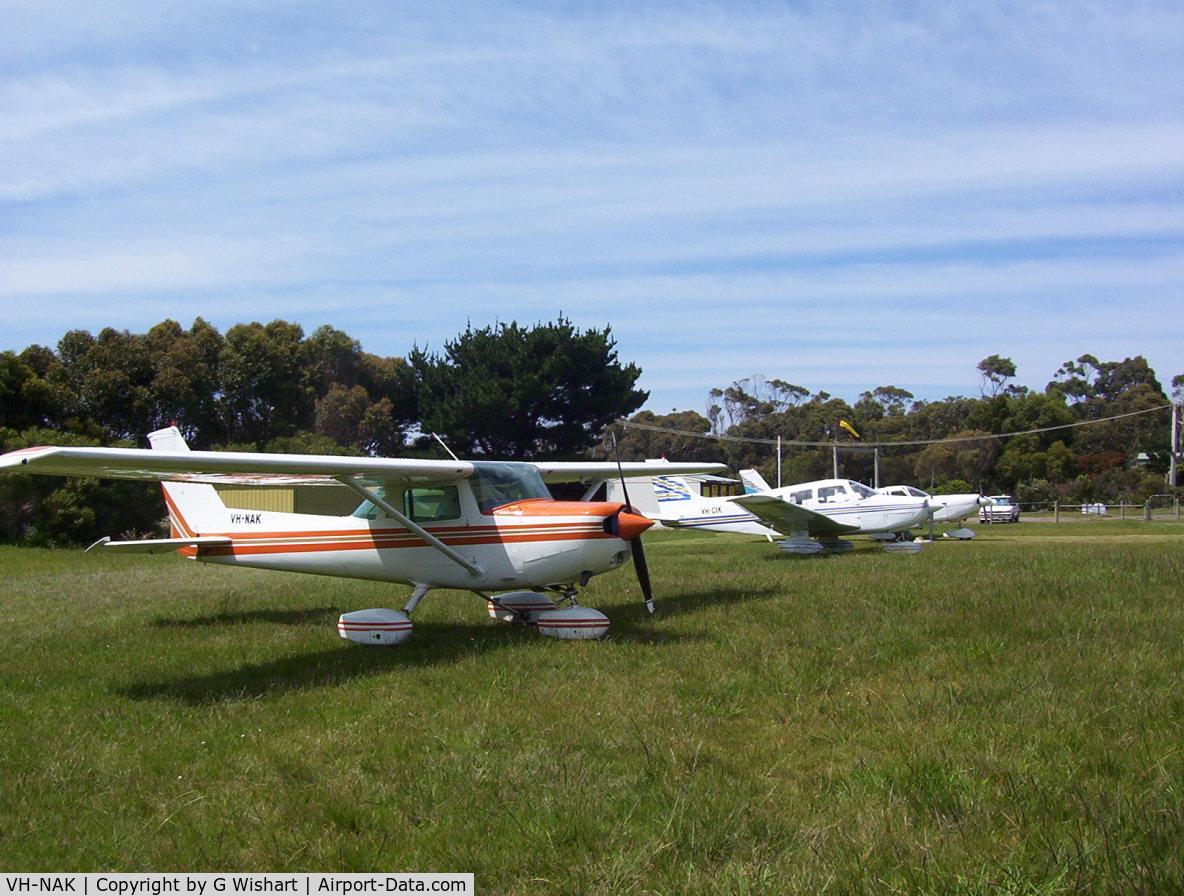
643, 444
26, 398
512, 392
884, 401
752, 398
263, 391
995, 372
349, 417
185, 380
970, 458
51, 511
1099, 390
108, 379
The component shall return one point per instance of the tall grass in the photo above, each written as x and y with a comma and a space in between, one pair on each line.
997, 716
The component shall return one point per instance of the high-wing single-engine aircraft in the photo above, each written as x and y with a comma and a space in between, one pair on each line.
945, 508
491, 528
807, 518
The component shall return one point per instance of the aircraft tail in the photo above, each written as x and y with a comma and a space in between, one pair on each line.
675, 497
194, 508
754, 482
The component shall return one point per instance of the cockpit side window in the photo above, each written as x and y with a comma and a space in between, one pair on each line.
422, 505
802, 496
430, 505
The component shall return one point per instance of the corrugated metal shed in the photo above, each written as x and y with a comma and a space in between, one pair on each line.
324, 500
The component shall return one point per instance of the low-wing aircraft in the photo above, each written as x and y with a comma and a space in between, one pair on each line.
945, 508
807, 518
488, 527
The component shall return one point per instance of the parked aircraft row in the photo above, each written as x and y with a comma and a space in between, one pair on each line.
491, 528
811, 517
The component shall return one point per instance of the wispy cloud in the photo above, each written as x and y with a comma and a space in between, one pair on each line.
842, 195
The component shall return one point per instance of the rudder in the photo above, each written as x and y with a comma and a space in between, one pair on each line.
674, 496
194, 508
754, 482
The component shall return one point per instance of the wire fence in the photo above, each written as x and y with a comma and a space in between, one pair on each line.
1158, 508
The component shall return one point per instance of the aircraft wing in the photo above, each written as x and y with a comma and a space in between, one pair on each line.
228, 467
582, 471
789, 518
259, 469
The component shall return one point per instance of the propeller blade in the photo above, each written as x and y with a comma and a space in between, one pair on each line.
621, 475
643, 572
640, 566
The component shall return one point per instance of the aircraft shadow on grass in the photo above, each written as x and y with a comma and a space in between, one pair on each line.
433, 644
632, 616
310, 616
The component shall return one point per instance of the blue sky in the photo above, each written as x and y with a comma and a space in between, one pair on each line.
839, 195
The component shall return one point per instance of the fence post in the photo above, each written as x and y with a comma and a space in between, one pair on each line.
1056, 510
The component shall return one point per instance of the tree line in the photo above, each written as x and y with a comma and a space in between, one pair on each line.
502, 391
1051, 459
549, 390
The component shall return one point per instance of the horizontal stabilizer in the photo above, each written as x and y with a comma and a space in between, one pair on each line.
159, 545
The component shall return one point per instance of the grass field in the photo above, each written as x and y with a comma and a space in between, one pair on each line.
1002, 715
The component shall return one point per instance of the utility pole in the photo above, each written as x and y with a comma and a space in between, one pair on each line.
1175, 448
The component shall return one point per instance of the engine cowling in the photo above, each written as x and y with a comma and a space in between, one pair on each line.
377, 628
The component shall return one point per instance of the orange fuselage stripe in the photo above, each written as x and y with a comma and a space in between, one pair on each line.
584, 527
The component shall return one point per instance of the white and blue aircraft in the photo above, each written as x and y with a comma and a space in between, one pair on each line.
803, 519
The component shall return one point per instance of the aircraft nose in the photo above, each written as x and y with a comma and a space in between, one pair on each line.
630, 525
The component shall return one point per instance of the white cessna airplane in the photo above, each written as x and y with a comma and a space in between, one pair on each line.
482, 526
808, 518
945, 508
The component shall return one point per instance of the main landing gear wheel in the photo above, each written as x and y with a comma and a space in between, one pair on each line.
800, 544
569, 623
381, 628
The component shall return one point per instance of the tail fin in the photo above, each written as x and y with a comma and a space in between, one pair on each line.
754, 482
674, 495
194, 508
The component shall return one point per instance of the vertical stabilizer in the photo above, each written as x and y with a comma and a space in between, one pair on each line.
194, 508
674, 495
754, 482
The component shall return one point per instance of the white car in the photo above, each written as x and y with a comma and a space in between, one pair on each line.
1002, 509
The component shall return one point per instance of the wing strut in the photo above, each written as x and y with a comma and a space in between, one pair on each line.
404, 521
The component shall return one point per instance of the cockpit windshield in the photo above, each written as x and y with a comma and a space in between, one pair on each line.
860, 489
496, 483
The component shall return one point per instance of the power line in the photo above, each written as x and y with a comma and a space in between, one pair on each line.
802, 444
